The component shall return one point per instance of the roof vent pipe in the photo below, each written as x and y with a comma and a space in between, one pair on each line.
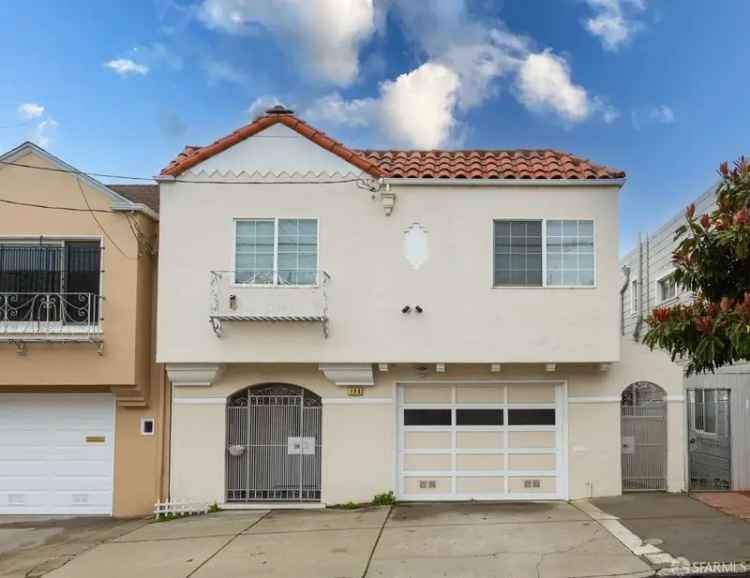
279, 109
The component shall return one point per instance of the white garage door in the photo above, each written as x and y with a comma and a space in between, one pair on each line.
482, 441
56, 453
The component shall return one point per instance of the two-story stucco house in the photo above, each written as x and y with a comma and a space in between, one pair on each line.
718, 404
338, 323
82, 409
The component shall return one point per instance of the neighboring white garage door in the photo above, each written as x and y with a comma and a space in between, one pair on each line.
482, 441
56, 453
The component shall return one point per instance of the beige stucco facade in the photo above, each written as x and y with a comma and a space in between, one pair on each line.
386, 247
119, 358
359, 433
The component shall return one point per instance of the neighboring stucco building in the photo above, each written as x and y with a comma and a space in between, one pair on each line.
82, 402
718, 405
338, 323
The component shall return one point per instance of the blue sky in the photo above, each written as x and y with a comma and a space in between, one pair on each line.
657, 88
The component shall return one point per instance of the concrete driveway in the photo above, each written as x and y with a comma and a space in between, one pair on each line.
468, 540
32, 546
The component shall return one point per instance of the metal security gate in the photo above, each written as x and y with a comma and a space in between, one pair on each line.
709, 447
273, 445
644, 437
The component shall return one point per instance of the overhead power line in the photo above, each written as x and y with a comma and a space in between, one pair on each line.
188, 181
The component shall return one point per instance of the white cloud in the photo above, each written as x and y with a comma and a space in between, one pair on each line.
417, 108
30, 110
261, 104
662, 114
44, 133
325, 34
126, 66
544, 83
613, 21
333, 108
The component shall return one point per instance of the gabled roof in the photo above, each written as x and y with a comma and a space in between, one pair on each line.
143, 194
117, 201
515, 164
192, 155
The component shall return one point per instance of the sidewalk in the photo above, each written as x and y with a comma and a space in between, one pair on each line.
675, 527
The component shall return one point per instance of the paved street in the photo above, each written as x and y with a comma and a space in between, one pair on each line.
468, 540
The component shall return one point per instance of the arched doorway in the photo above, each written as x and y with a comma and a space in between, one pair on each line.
644, 437
273, 444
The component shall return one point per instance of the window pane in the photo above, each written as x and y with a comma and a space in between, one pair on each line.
298, 251
254, 251
479, 417
531, 417
428, 417
574, 239
518, 253
710, 411
699, 423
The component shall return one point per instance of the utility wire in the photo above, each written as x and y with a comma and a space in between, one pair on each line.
98, 223
54, 207
195, 181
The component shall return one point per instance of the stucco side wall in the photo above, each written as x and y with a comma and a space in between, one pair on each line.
359, 433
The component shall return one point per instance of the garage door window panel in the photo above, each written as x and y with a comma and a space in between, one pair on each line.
427, 417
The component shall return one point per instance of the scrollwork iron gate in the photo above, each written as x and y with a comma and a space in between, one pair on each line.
273, 445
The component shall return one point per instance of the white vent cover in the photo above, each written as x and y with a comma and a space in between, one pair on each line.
416, 248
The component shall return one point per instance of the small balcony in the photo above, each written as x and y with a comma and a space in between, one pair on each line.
269, 296
50, 316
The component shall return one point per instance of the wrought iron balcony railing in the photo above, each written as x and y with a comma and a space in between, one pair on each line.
273, 296
53, 316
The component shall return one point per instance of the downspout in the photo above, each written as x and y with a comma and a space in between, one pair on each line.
642, 282
626, 283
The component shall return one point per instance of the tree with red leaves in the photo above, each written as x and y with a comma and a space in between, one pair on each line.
712, 260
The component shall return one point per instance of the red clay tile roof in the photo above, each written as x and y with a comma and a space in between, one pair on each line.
414, 164
487, 164
192, 155
145, 194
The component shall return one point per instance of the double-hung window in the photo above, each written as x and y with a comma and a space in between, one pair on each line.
666, 288
539, 253
276, 251
53, 281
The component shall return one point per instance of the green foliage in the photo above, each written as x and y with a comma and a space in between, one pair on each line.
712, 260
384, 499
213, 508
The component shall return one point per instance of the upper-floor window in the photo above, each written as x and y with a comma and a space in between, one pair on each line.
537, 253
55, 281
276, 251
666, 288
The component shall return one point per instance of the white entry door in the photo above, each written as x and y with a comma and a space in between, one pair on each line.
490, 441
56, 453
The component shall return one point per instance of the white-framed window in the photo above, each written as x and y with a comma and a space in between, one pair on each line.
276, 251
543, 253
634, 302
666, 288
705, 410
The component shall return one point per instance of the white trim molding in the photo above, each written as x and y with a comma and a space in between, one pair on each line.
345, 374
200, 401
357, 401
595, 399
194, 374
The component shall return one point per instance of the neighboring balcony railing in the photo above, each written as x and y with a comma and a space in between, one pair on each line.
271, 296
55, 316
